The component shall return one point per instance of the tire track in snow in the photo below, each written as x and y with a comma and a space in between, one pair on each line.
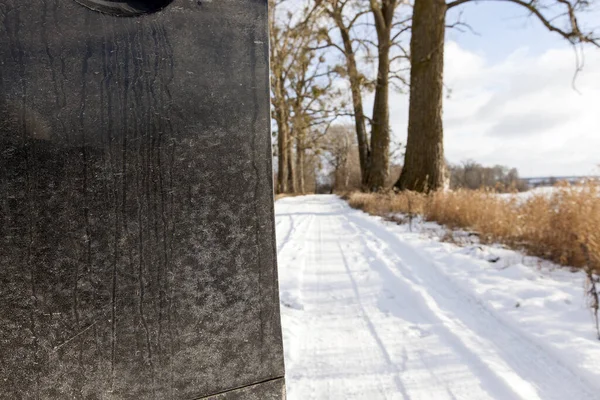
314, 370
372, 330
378, 320
521, 366
496, 387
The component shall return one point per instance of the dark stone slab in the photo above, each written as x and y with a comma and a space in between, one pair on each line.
137, 256
270, 390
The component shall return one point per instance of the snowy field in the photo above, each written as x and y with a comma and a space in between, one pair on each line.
546, 191
373, 311
524, 196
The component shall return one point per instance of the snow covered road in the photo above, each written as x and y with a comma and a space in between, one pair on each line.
368, 314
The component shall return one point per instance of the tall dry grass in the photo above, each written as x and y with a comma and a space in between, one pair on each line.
562, 226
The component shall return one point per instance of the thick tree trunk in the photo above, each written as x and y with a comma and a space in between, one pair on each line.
364, 152
424, 168
380, 133
383, 13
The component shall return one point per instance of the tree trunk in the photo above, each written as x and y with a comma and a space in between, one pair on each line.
282, 156
316, 172
380, 132
282, 140
300, 169
364, 152
347, 179
300, 132
300, 153
292, 181
424, 168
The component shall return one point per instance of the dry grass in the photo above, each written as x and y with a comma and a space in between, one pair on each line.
563, 226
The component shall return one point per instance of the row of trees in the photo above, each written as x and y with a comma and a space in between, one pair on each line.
341, 164
327, 55
343, 168
472, 175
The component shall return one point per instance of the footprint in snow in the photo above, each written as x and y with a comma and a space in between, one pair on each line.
418, 331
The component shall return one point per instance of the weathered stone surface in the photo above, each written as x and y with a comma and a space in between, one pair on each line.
137, 254
270, 390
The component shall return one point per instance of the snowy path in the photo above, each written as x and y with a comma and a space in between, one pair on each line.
368, 315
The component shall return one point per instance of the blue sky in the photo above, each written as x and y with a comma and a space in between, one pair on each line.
512, 100
503, 27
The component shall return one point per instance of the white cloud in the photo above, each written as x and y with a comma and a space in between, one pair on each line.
521, 111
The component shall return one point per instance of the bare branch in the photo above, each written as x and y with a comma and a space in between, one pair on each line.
574, 34
457, 3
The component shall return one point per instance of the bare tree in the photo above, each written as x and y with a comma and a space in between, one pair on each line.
280, 54
346, 14
424, 160
383, 12
470, 174
389, 26
298, 87
311, 96
339, 145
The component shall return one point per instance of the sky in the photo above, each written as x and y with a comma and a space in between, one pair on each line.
512, 99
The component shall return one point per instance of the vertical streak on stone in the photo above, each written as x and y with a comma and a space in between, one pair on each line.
44, 39
167, 238
139, 135
130, 193
30, 198
61, 94
114, 291
256, 131
84, 188
155, 156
